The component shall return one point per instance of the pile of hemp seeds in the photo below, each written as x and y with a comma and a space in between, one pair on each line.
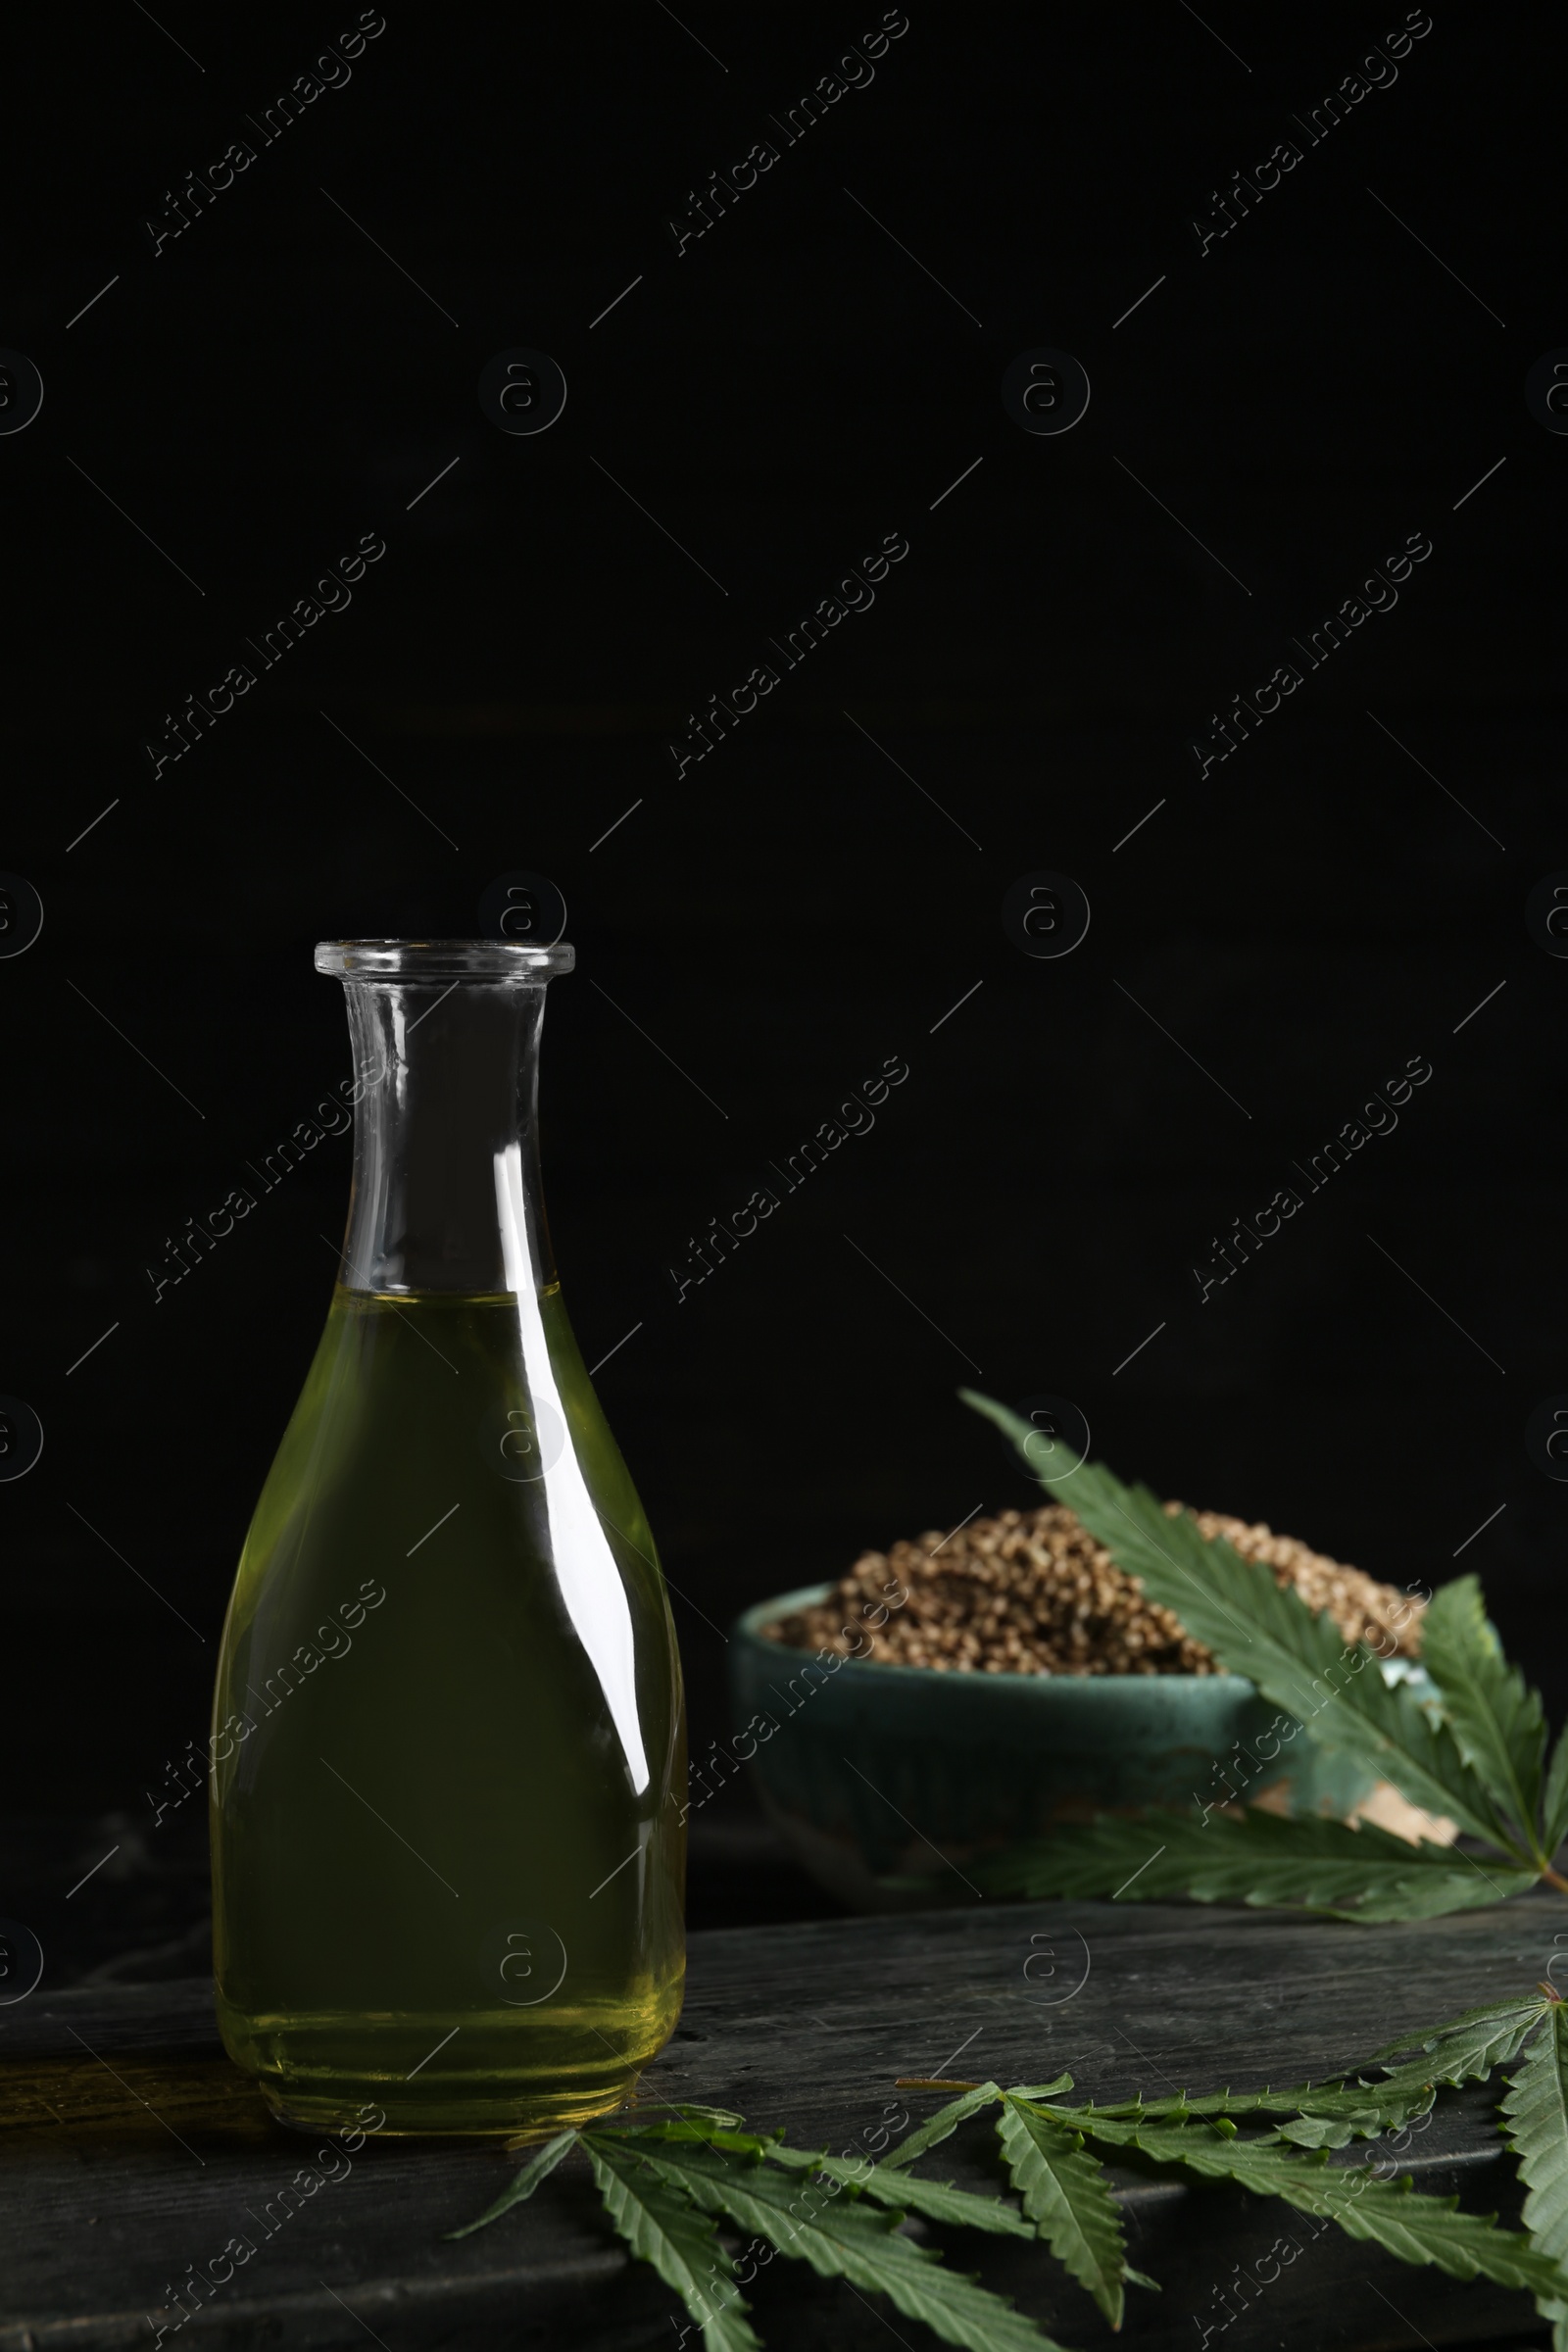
1033, 1592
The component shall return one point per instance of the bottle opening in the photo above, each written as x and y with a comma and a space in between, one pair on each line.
414, 960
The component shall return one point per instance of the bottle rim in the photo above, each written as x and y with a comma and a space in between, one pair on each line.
443, 959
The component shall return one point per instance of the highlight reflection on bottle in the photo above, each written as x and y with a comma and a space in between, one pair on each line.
448, 1763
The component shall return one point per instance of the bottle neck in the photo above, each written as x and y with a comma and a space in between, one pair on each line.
446, 1190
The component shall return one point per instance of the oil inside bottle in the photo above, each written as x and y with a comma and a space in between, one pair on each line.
448, 1738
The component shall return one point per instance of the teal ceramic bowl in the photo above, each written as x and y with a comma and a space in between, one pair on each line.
887, 1781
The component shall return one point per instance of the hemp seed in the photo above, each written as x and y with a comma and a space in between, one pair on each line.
1031, 1592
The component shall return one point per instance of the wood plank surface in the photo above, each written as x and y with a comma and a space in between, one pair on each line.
130, 2152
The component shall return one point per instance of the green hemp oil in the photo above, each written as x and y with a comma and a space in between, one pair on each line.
448, 1772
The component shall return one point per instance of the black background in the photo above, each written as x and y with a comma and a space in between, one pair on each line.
793, 386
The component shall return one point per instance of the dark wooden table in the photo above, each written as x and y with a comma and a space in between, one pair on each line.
131, 2151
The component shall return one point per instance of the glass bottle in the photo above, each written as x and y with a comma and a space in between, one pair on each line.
448, 1768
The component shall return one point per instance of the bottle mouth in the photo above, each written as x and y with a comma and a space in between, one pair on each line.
435, 959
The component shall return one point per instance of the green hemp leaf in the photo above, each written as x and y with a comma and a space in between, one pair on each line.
681, 2185
1472, 1754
